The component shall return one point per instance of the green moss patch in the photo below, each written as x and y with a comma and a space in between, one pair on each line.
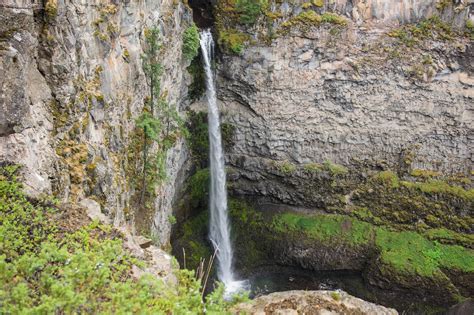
407, 252
325, 227
420, 205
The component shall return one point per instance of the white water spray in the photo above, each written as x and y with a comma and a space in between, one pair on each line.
219, 224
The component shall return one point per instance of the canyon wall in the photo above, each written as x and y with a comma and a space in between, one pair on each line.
72, 89
353, 92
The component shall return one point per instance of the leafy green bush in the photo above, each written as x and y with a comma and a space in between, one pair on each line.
191, 42
46, 269
233, 40
250, 10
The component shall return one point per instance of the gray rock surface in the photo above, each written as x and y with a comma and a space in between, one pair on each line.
311, 302
350, 97
72, 87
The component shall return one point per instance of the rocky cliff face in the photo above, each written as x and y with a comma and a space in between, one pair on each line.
361, 108
72, 88
353, 88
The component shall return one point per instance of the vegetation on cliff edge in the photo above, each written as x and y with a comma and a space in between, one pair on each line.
52, 261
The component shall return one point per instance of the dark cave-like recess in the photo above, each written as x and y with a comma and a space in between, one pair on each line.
203, 12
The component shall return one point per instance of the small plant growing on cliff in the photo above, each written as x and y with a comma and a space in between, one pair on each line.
51, 8
191, 42
335, 169
250, 10
160, 123
286, 167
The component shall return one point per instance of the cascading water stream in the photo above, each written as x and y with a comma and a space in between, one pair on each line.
219, 224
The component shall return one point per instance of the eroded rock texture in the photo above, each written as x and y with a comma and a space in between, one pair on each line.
311, 302
72, 88
358, 95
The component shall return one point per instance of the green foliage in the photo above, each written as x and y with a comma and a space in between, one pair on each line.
244, 214
333, 18
151, 126
199, 137
22, 225
335, 169
325, 227
446, 236
160, 122
336, 296
388, 178
250, 10
431, 28
404, 251
194, 239
307, 19
198, 86
232, 40
424, 173
470, 29
191, 42
441, 187
409, 252
49, 270
313, 167
285, 167
199, 187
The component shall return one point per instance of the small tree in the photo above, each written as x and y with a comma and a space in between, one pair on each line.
160, 122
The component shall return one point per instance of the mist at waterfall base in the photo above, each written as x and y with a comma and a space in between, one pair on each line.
219, 227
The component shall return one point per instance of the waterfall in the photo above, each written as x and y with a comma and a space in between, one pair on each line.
219, 228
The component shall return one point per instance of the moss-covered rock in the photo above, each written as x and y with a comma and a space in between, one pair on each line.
399, 261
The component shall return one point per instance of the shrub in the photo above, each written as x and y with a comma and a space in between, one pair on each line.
48, 269
233, 40
191, 42
250, 10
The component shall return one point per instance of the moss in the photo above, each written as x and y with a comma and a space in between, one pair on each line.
318, 3
446, 236
104, 28
313, 167
307, 19
194, 239
431, 28
198, 137
336, 296
388, 178
198, 86
250, 10
232, 40
424, 173
409, 252
406, 252
414, 205
470, 29
51, 8
228, 131
441, 187
244, 214
325, 227
285, 167
199, 187
335, 169
333, 18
